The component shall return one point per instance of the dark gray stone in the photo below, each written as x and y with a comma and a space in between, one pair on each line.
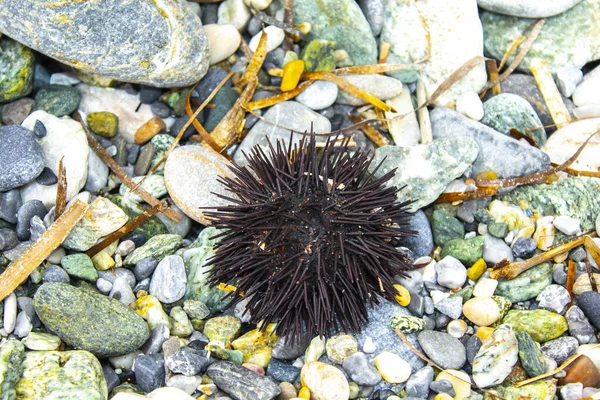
58, 100
47, 177
21, 157
133, 153
443, 349
188, 361
39, 129
179, 123
589, 302
287, 349
418, 383
241, 383
110, 376
373, 11
149, 94
442, 386
560, 349
54, 273
8, 239
173, 53
579, 326
159, 335
421, 244
472, 347
359, 369
10, 202
160, 109
282, 371
524, 247
150, 372
26, 212
504, 155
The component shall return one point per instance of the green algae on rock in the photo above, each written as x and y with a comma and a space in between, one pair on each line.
530, 354
12, 354
89, 321
157, 247
16, 69
575, 197
342, 22
225, 328
155, 43
467, 251
318, 56
47, 374
407, 323
103, 123
540, 390
527, 285
542, 325
552, 44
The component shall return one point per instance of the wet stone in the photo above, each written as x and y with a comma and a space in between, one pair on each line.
589, 302
242, 383
282, 371
443, 349
418, 383
542, 325
524, 248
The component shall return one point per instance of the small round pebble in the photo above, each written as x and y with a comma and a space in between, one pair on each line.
275, 37
482, 311
451, 273
392, 367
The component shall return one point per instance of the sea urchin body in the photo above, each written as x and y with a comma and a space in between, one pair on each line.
309, 237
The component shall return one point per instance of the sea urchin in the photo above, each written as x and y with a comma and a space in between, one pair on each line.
309, 238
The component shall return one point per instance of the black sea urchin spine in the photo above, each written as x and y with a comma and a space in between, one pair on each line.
309, 237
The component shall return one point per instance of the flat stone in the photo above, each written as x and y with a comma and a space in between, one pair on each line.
527, 9
188, 361
506, 111
66, 140
16, 78
542, 325
500, 31
342, 22
567, 140
561, 348
527, 285
175, 54
169, 279
443, 349
51, 374
15, 112
157, 247
319, 95
504, 155
426, 170
282, 371
150, 371
89, 321
381, 86
58, 100
360, 371
21, 157
447, 24
79, 266
241, 383
496, 357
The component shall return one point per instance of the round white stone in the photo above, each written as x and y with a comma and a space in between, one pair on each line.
369, 346
275, 37
319, 95
587, 91
9, 319
233, 12
469, 104
450, 273
325, 382
567, 80
224, 40
392, 367
65, 139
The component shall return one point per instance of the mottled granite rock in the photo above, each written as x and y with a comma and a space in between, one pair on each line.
553, 43
16, 69
426, 170
112, 37
21, 157
242, 383
12, 353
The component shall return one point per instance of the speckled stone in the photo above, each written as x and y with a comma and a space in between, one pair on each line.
21, 157
443, 349
158, 247
500, 31
16, 71
74, 34
426, 170
527, 285
241, 383
530, 355
52, 374
542, 325
89, 321
496, 357
12, 354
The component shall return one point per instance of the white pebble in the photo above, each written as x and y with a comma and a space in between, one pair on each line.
275, 37
319, 95
587, 91
104, 286
125, 247
392, 368
64, 78
10, 313
485, 287
567, 225
457, 328
56, 256
509, 237
369, 346
258, 4
224, 41
469, 104
450, 273
567, 80
23, 325
587, 111
234, 12
482, 311
544, 233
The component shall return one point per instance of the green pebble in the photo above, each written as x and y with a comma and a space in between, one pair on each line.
498, 229
354, 390
527, 285
318, 56
466, 293
543, 390
58, 100
407, 323
466, 251
542, 325
224, 329
235, 356
530, 354
446, 228
80, 266
12, 354
157, 247
103, 123
16, 69
150, 228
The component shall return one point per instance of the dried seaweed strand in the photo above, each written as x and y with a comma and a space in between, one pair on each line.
423, 114
492, 68
593, 248
118, 171
370, 131
384, 51
511, 49
478, 193
588, 271
256, 62
287, 28
537, 27
20, 269
278, 98
552, 97
61, 189
128, 227
516, 134
288, 19
571, 270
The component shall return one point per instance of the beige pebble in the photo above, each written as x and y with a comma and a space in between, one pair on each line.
482, 311
392, 367
325, 382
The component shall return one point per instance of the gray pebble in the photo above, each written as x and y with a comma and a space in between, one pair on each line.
110, 376
159, 335
443, 349
496, 250
134, 152
17, 251
143, 161
450, 306
22, 325
122, 291
10, 202
36, 228
451, 273
188, 361
560, 349
8, 239
144, 285
54, 273
359, 369
39, 129
47, 177
111, 275
103, 285
149, 94
169, 280
554, 298
150, 371
442, 386
579, 326
160, 109
24, 215
418, 383
559, 274
282, 371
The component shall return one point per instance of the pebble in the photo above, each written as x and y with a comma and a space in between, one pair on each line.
224, 329
65, 140
392, 368
10, 202
530, 355
17, 77
8, 239
496, 357
79, 266
496, 250
339, 347
560, 349
319, 95
188, 361
467, 251
15, 112
451, 306
149, 371
58, 100
581, 370
407, 323
25, 213
240, 382
275, 37
485, 287
120, 290
418, 383
527, 9
360, 370
41, 341
469, 104
567, 80
47, 177
542, 325
527, 285
554, 298
157, 247
374, 13
482, 311
443, 349
116, 329
579, 326
9, 317
21, 157
524, 247
584, 92
567, 140
224, 41
446, 228
450, 273
234, 12
589, 302
381, 86
460, 382
282, 371
55, 273
169, 280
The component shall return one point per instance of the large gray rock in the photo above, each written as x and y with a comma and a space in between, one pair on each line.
426, 170
21, 157
527, 8
159, 43
502, 154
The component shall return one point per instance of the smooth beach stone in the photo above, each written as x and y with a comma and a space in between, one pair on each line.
527, 8
342, 22
90, 321
76, 33
426, 170
496, 357
21, 157
499, 31
443, 349
53, 374
502, 154
530, 354
527, 285
324, 381
563, 143
224, 41
191, 174
157, 247
16, 69
66, 140
103, 123
14, 113
467, 251
543, 390
319, 95
542, 325
448, 23
242, 383
58, 100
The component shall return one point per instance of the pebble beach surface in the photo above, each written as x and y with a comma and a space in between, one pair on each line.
94, 94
